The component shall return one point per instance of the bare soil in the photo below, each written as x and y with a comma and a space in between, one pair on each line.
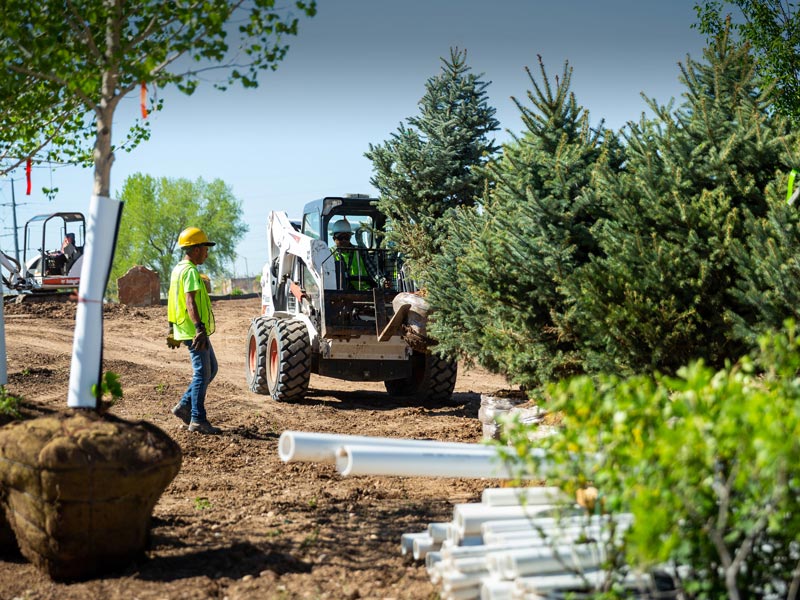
237, 522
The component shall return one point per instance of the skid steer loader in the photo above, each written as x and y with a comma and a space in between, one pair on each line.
320, 314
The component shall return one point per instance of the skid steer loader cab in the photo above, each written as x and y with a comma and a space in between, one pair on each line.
341, 309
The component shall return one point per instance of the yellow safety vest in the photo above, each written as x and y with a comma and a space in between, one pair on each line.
186, 278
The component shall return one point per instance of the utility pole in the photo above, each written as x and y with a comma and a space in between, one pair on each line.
246, 268
14, 218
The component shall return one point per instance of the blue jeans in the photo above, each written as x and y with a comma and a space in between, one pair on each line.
204, 364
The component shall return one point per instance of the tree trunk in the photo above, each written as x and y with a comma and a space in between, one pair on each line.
103, 155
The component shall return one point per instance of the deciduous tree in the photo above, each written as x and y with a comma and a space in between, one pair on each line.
159, 209
68, 64
772, 28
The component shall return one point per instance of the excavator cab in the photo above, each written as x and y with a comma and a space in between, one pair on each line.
51, 263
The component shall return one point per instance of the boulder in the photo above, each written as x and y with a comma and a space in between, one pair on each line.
139, 287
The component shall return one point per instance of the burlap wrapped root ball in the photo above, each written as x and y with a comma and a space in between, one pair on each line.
80, 489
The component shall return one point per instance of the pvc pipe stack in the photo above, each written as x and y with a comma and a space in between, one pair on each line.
533, 531
529, 546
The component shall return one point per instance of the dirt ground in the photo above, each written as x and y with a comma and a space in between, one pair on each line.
237, 522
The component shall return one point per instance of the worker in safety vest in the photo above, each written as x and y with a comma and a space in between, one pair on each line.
191, 323
355, 271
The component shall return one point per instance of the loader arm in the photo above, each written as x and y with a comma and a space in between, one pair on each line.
288, 251
17, 278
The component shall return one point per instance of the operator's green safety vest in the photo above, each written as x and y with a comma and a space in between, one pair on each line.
356, 269
186, 278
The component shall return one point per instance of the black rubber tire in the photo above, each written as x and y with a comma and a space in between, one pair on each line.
288, 360
255, 364
432, 379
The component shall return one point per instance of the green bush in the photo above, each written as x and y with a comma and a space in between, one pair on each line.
9, 405
706, 462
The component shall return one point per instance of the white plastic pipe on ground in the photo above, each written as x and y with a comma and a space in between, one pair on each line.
422, 545
511, 564
456, 580
470, 593
407, 541
305, 446
477, 462
468, 518
87, 346
542, 584
438, 531
529, 496
496, 589
453, 555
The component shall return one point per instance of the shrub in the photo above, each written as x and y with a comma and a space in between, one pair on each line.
706, 462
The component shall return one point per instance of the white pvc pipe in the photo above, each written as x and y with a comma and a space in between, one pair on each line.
407, 541
523, 496
477, 462
470, 593
452, 556
511, 564
438, 531
620, 521
469, 517
456, 580
87, 346
497, 589
297, 446
468, 564
542, 584
422, 545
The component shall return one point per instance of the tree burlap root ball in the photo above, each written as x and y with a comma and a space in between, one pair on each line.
80, 489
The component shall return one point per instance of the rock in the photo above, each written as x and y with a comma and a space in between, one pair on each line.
139, 287
80, 487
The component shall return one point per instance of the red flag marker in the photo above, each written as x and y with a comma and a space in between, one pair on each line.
143, 100
28, 176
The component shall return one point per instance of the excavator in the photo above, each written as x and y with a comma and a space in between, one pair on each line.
43, 270
347, 312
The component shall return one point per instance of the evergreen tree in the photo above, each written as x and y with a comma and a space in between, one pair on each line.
502, 271
768, 267
659, 293
433, 164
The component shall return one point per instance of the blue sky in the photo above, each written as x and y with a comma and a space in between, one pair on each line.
355, 72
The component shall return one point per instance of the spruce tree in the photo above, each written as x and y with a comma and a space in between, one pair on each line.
658, 294
507, 263
768, 265
433, 164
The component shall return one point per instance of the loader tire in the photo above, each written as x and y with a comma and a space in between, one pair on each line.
288, 360
256, 358
432, 379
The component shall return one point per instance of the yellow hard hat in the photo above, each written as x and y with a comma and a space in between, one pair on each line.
193, 236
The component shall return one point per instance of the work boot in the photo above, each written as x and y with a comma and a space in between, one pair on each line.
204, 427
183, 412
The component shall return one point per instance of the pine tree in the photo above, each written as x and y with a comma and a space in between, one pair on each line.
659, 293
433, 164
510, 261
768, 266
